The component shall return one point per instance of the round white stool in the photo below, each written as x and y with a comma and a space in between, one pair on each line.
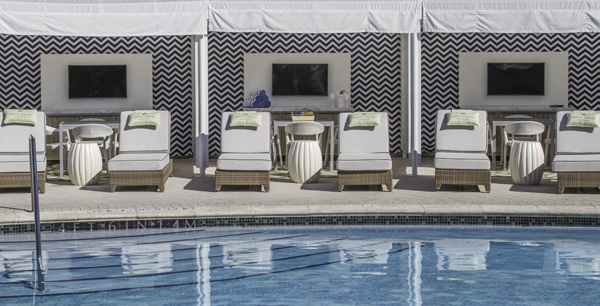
526, 162
85, 163
305, 163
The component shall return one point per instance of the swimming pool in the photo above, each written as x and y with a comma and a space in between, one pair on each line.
309, 266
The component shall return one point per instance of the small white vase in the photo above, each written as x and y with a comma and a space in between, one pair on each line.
347, 99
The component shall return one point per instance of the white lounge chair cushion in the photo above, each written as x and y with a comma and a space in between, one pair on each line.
20, 163
363, 139
576, 139
244, 162
145, 139
461, 138
139, 162
14, 138
576, 163
364, 162
461, 161
246, 139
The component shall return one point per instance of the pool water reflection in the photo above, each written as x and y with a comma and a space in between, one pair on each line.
309, 266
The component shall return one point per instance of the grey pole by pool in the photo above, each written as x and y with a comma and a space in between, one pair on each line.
35, 208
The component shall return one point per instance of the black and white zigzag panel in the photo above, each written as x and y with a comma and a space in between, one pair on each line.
20, 73
440, 67
375, 71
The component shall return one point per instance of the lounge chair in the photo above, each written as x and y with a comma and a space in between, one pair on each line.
460, 157
14, 153
364, 157
577, 159
144, 158
245, 154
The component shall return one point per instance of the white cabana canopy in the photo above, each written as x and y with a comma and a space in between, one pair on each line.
188, 17
315, 16
103, 17
511, 16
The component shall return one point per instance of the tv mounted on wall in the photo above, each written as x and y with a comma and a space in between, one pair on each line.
300, 80
97, 81
505, 79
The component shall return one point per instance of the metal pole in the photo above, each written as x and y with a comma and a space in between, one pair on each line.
201, 101
35, 207
414, 104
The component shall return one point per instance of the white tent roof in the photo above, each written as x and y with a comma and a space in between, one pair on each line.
315, 16
103, 17
189, 17
511, 16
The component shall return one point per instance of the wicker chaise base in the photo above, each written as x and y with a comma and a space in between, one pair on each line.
346, 178
22, 180
141, 178
577, 179
249, 178
463, 177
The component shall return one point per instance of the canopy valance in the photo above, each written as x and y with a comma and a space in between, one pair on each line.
315, 16
103, 17
189, 17
504, 16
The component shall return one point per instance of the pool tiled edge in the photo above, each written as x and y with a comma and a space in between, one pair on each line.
324, 220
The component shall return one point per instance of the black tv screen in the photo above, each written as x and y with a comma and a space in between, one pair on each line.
101, 81
506, 79
300, 80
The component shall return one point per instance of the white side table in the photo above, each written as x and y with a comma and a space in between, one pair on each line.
305, 161
283, 123
526, 162
85, 163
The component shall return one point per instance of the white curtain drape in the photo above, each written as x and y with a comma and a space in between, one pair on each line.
103, 17
315, 16
511, 16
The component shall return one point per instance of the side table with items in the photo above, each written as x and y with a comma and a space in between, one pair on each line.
284, 123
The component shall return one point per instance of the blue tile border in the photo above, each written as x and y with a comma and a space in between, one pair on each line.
329, 220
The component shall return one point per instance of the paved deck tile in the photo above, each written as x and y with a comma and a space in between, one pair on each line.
187, 196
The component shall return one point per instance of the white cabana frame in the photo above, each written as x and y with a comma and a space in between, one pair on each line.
504, 16
103, 17
315, 16
100, 18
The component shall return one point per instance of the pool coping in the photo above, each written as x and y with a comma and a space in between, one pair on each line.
325, 215
26, 217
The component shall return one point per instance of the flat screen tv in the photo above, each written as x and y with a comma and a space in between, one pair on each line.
99, 81
300, 80
515, 79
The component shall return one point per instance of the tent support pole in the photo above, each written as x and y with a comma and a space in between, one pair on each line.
201, 101
414, 113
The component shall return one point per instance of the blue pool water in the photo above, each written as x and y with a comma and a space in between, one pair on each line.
308, 266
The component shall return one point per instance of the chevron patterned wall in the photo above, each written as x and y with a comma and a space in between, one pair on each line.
375, 71
20, 73
440, 67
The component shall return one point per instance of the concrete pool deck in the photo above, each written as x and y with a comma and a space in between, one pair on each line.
189, 196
